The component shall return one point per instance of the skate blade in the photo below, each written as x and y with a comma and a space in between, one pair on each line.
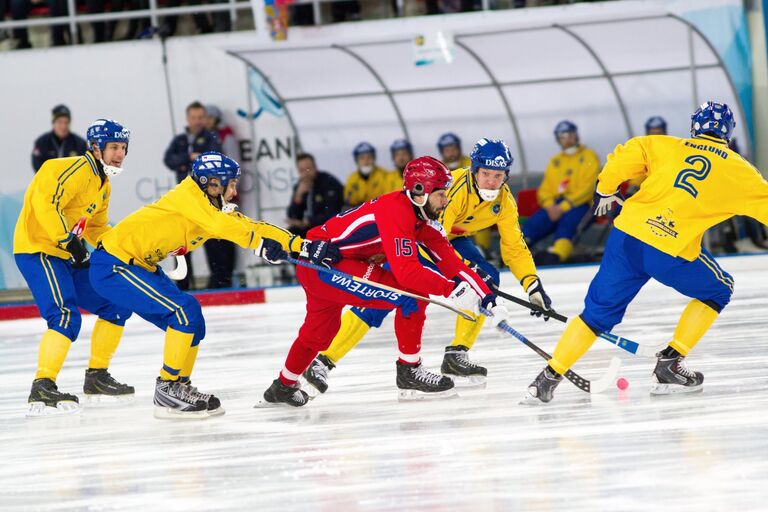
469, 381
411, 395
263, 404
309, 389
97, 400
164, 413
531, 400
674, 389
39, 409
216, 412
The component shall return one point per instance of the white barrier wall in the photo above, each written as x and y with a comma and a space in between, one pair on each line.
127, 82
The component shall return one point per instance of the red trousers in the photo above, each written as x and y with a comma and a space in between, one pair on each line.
325, 304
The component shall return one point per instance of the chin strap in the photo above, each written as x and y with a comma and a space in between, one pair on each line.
110, 170
424, 215
487, 194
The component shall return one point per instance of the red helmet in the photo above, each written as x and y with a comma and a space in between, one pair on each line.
424, 174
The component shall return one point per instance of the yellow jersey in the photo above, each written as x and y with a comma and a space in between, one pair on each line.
690, 185
467, 214
464, 162
570, 177
395, 181
359, 188
62, 192
181, 221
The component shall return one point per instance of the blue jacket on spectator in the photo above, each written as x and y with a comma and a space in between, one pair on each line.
183, 145
48, 146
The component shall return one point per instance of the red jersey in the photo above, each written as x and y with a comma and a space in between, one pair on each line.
387, 229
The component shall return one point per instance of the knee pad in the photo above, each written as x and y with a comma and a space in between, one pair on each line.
372, 317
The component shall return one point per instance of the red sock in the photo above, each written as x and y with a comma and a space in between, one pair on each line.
299, 357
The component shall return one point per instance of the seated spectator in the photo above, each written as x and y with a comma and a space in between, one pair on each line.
449, 145
317, 197
656, 125
368, 181
564, 195
59, 33
402, 153
60, 142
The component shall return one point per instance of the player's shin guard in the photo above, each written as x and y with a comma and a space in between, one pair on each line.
352, 330
51, 354
563, 248
467, 331
177, 345
104, 341
693, 324
573, 343
189, 364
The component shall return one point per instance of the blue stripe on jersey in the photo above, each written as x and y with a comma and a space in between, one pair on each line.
360, 235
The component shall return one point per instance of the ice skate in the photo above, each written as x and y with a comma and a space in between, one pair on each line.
279, 393
457, 366
174, 400
45, 399
414, 382
101, 388
672, 375
213, 404
317, 373
542, 389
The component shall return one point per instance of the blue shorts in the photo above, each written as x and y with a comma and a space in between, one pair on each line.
59, 290
151, 295
629, 263
468, 250
538, 226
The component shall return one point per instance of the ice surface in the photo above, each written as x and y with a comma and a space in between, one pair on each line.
357, 448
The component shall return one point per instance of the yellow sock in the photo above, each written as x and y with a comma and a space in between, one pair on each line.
189, 363
693, 324
51, 354
467, 331
177, 345
563, 248
104, 341
350, 333
573, 343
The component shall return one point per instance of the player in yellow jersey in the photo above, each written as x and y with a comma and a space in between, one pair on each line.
479, 199
124, 269
449, 146
68, 199
369, 180
690, 185
402, 153
564, 195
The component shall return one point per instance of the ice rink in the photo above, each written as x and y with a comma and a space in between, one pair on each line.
358, 448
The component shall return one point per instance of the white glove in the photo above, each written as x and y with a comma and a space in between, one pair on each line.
604, 204
500, 313
465, 298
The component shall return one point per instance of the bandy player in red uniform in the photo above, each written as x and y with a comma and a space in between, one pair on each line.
389, 229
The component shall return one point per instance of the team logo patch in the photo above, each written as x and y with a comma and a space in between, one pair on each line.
203, 180
495, 209
663, 225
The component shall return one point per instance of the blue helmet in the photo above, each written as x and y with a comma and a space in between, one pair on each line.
713, 118
491, 154
363, 148
564, 126
399, 144
655, 122
102, 131
214, 165
448, 139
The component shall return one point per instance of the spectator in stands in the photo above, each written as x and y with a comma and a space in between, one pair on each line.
60, 142
368, 180
214, 123
105, 30
221, 21
59, 33
449, 145
656, 125
317, 197
402, 153
564, 195
183, 149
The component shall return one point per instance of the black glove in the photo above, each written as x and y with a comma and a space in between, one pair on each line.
320, 252
81, 258
539, 297
485, 276
271, 251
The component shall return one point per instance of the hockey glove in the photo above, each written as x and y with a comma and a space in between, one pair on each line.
81, 258
539, 298
485, 276
601, 204
464, 297
320, 252
271, 251
499, 312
